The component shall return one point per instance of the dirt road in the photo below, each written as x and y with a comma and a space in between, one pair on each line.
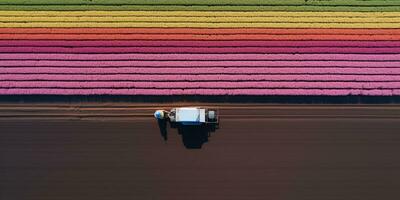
115, 151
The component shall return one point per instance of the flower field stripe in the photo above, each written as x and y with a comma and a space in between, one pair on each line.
197, 19
200, 24
198, 85
202, 31
206, 50
204, 2
193, 43
195, 37
201, 13
198, 57
195, 70
195, 77
94, 64
165, 92
368, 6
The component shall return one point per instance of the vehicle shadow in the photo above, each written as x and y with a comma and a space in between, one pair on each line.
193, 137
162, 124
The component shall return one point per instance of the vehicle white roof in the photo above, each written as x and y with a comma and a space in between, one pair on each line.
190, 114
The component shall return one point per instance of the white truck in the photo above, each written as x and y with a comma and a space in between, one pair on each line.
190, 116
